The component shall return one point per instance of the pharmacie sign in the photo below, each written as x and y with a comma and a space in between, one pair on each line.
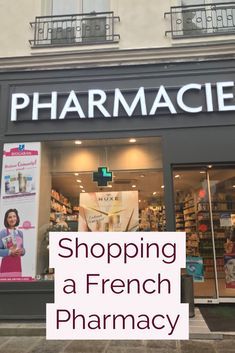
210, 97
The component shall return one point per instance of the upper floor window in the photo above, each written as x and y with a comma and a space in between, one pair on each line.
74, 22
202, 18
68, 7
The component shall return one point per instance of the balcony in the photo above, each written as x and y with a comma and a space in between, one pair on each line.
72, 30
202, 20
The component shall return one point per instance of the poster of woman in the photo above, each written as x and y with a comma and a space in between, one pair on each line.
11, 245
229, 267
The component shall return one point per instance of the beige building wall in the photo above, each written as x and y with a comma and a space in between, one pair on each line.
142, 23
142, 27
15, 18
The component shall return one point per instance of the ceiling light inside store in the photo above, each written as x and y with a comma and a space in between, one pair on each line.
209, 166
83, 191
142, 175
139, 200
109, 186
76, 174
233, 186
78, 181
202, 172
177, 176
78, 142
133, 186
155, 193
132, 140
81, 187
162, 186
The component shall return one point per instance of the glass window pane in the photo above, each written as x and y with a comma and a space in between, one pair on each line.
222, 182
61, 7
192, 216
97, 6
73, 201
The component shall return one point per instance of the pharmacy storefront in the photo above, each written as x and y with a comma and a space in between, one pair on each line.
147, 148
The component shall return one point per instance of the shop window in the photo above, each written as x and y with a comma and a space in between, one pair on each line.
131, 201
108, 185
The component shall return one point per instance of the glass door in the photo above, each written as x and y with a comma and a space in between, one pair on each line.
222, 186
192, 215
205, 210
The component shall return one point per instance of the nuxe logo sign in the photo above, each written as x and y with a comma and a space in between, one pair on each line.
108, 198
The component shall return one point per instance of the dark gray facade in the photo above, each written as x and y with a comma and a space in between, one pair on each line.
205, 137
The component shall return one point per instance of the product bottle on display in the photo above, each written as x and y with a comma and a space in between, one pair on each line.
16, 184
29, 184
21, 182
12, 185
7, 184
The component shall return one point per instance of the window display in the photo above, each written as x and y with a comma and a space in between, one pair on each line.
132, 200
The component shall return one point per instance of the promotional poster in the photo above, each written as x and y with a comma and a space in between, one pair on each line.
109, 211
19, 208
229, 268
194, 266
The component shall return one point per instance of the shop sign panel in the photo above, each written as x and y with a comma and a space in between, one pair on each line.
192, 98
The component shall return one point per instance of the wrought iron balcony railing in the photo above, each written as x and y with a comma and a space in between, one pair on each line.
86, 28
202, 20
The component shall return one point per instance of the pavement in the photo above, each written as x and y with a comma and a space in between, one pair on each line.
25, 344
29, 337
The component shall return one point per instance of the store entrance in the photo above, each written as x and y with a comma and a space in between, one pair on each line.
205, 210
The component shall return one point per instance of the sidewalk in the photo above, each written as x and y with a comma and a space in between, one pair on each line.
198, 329
41, 345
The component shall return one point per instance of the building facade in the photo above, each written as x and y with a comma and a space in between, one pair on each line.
146, 91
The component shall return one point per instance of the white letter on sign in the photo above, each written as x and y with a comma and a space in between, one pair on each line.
223, 96
51, 105
72, 99
16, 106
180, 95
97, 103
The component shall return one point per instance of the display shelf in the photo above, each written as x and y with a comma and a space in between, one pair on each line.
60, 205
199, 243
189, 213
189, 219
73, 217
153, 218
219, 211
179, 217
203, 206
68, 206
187, 207
211, 256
